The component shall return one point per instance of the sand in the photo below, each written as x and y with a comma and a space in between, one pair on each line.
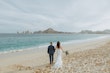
86, 57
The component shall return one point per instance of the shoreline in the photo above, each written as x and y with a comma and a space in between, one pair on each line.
33, 58
46, 44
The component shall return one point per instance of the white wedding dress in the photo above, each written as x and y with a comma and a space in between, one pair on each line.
58, 63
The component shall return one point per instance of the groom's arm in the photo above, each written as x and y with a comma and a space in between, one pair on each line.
54, 48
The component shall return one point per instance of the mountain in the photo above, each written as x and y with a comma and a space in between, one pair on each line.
49, 30
107, 31
95, 32
52, 31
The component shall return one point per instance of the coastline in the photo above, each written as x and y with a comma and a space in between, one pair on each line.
33, 58
46, 44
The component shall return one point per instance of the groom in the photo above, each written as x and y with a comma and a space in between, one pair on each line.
51, 51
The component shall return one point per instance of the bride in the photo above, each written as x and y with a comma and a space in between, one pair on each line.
58, 63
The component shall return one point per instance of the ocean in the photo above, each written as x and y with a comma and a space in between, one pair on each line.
20, 42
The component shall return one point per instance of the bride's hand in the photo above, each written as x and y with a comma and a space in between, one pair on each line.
63, 51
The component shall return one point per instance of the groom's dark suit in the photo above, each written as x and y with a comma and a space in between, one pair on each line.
51, 51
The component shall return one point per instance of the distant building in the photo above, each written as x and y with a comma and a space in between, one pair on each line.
25, 32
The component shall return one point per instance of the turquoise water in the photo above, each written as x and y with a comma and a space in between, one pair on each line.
12, 42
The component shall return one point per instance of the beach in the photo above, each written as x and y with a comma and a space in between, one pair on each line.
91, 56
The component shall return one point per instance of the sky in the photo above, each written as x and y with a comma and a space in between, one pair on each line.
61, 15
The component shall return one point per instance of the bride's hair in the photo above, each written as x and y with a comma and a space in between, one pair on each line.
58, 44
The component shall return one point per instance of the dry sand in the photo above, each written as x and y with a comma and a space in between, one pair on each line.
87, 57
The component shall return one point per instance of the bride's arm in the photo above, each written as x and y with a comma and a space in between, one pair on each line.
62, 49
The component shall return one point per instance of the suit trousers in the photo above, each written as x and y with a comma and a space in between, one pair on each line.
51, 56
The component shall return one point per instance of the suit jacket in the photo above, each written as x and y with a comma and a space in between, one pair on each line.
51, 49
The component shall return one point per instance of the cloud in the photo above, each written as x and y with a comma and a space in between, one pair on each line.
61, 15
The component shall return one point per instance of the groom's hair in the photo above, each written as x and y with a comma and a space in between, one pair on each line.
51, 43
